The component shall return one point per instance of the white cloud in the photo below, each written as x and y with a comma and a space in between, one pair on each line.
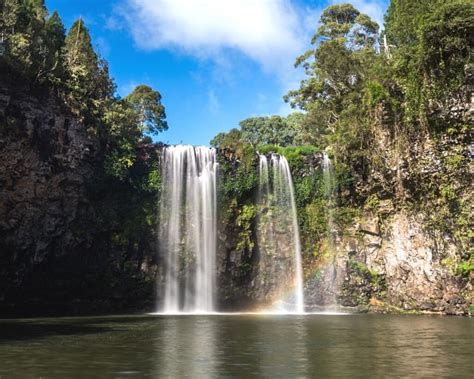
267, 31
272, 33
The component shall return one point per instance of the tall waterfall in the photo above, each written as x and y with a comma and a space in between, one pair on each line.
188, 228
277, 221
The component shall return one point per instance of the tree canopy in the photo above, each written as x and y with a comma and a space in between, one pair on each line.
265, 130
38, 49
147, 103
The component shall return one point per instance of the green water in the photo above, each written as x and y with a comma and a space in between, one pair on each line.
238, 346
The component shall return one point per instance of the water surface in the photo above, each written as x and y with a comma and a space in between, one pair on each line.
245, 346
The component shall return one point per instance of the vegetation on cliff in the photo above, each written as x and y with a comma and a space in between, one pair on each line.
392, 110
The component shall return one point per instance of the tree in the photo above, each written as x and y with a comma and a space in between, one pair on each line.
403, 19
297, 122
266, 130
228, 140
10, 15
273, 130
89, 81
37, 10
81, 58
55, 31
14, 28
337, 65
341, 21
446, 41
147, 103
128, 121
337, 70
430, 42
55, 40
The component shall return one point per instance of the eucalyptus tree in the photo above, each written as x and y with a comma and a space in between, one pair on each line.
337, 68
147, 103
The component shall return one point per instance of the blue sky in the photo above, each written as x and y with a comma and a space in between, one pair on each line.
215, 62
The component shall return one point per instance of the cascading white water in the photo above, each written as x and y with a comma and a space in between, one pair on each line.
329, 185
188, 228
276, 196
330, 270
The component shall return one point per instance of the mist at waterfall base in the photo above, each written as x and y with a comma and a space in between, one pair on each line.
188, 231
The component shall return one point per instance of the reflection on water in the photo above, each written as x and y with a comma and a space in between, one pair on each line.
186, 352
282, 351
238, 346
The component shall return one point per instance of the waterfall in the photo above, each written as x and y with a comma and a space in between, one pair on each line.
329, 276
187, 232
278, 225
328, 188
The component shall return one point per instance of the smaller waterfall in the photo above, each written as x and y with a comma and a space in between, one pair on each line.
330, 274
188, 228
277, 221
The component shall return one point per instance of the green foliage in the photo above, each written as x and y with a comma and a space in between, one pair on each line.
316, 218
147, 103
359, 267
338, 21
245, 221
259, 131
465, 268
266, 130
339, 91
344, 216
54, 67
81, 57
238, 182
229, 140
268, 149
88, 83
296, 154
454, 162
431, 43
460, 267
372, 202
445, 45
119, 161
448, 193
153, 181
376, 93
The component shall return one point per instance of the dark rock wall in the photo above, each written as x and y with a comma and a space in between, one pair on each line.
46, 158
56, 255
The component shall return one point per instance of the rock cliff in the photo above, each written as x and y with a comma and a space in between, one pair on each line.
57, 254
73, 240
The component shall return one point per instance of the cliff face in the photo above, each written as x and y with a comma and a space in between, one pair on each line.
47, 157
409, 245
55, 253
74, 240
408, 266
393, 265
